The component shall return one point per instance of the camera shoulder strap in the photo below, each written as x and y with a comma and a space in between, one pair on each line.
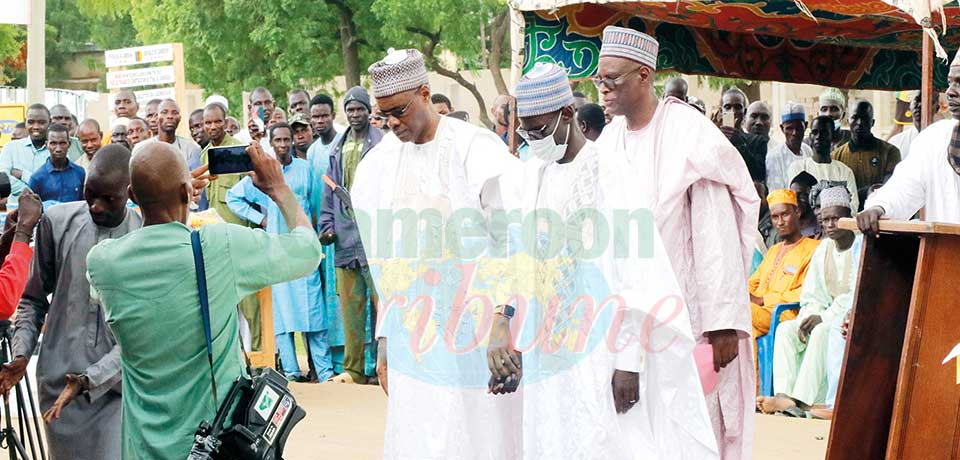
204, 306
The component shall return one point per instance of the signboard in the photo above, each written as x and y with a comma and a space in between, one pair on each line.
141, 77
10, 115
15, 12
148, 95
139, 55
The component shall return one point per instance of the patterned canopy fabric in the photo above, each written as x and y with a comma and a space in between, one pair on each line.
867, 44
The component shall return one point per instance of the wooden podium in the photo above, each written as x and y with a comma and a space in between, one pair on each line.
896, 400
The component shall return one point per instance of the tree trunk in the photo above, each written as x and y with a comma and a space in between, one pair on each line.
433, 64
348, 43
498, 33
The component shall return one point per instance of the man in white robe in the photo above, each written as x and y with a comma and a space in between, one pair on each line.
665, 156
601, 401
428, 172
800, 353
793, 123
929, 178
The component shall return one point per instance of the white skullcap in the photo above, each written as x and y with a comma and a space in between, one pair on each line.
218, 99
835, 196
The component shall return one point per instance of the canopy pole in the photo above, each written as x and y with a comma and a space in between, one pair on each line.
36, 53
926, 87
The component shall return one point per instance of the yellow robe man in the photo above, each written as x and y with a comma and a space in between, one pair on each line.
779, 278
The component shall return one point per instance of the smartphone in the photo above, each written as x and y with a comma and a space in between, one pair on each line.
728, 119
229, 160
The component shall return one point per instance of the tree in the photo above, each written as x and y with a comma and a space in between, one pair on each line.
69, 31
498, 40
12, 41
232, 45
236, 45
452, 25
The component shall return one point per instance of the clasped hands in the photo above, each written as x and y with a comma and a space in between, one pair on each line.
506, 369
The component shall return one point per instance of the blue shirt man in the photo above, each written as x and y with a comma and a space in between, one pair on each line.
21, 158
298, 305
58, 180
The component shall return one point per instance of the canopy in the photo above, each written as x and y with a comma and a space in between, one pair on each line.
864, 44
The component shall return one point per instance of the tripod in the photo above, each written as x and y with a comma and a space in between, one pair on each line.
8, 436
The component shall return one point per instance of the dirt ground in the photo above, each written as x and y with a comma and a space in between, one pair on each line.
347, 420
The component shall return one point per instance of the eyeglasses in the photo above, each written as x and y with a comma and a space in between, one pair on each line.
399, 113
539, 133
612, 83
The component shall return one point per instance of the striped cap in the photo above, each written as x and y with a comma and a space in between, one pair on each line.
832, 95
835, 196
630, 44
399, 71
793, 111
543, 89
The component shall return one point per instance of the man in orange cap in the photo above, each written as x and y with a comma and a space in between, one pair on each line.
779, 278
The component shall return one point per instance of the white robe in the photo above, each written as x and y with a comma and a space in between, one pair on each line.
923, 180
779, 160
705, 206
438, 406
904, 139
835, 170
568, 404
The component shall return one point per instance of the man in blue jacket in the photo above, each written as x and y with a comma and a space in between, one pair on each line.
354, 285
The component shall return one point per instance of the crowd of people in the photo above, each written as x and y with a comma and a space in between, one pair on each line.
739, 223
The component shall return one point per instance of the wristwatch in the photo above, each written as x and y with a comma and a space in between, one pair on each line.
505, 311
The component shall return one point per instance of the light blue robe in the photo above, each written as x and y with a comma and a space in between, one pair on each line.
298, 306
319, 157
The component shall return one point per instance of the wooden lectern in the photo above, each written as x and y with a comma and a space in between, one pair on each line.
896, 400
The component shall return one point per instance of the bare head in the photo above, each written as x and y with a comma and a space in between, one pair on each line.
735, 101
261, 98
160, 183
125, 104
676, 87
759, 118
91, 138
168, 116
107, 186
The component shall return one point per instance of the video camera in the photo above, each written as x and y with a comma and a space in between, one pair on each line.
262, 412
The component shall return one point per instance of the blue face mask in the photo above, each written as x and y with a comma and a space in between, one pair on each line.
836, 125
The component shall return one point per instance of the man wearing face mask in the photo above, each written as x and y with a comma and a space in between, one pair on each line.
561, 178
832, 105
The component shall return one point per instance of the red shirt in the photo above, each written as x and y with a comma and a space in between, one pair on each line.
13, 277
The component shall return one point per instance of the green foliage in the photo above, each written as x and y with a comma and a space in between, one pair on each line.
455, 22
69, 31
11, 41
235, 45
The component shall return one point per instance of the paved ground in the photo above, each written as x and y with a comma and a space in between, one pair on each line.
346, 421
